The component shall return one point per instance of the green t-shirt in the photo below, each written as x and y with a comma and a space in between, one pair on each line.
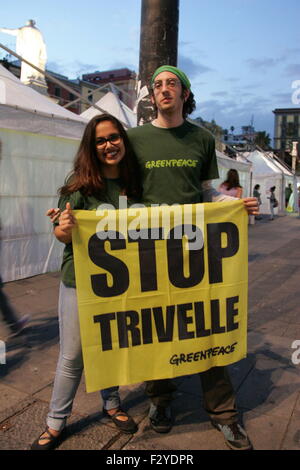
80, 202
174, 162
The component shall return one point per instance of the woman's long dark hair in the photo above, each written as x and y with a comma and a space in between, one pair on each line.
87, 175
232, 180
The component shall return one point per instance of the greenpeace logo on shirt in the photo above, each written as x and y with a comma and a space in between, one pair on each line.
171, 163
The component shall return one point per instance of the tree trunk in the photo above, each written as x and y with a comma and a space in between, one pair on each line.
158, 46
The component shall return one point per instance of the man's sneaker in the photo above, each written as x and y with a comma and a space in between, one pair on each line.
235, 436
160, 418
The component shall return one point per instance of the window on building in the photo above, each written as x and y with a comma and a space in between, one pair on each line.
57, 92
283, 126
71, 97
290, 129
90, 96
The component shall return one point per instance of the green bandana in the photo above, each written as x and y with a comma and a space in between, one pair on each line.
169, 68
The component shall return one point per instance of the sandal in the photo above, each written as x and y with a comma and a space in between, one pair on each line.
128, 426
53, 441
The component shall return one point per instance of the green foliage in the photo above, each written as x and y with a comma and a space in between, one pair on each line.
211, 126
216, 130
263, 140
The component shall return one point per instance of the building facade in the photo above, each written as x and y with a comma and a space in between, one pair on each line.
62, 96
242, 142
286, 128
92, 93
124, 79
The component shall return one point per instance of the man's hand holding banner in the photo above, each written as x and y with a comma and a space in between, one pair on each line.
162, 292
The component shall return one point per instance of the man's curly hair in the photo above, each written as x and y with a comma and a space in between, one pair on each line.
189, 105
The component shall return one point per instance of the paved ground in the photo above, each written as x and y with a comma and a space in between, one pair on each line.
267, 382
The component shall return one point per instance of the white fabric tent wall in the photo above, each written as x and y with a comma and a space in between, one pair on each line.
15, 94
33, 166
38, 142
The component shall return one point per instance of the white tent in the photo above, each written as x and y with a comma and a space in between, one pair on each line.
268, 172
23, 108
111, 103
288, 174
38, 141
243, 168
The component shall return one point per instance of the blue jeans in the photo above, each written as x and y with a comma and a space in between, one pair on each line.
70, 364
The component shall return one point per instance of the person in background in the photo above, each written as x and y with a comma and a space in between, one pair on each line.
104, 168
231, 186
273, 201
257, 194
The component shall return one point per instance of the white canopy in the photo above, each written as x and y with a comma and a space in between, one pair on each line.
113, 105
262, 165
280, 165
25, 109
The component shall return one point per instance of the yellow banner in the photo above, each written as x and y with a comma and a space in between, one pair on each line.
162, 292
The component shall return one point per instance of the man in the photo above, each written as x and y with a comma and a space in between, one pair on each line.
177, 162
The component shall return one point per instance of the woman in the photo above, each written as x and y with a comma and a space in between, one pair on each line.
231, 186
104, 168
